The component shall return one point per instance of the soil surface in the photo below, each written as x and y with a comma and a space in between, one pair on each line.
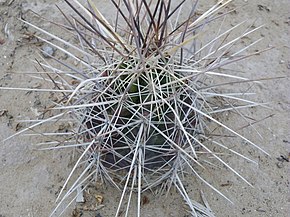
30, 179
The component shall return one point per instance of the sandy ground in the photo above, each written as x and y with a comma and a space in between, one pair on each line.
30, 179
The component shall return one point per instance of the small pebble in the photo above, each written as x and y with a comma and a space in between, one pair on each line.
264, 8
47, 51
260, 210
281, 61
279, 164
2, 41
3, 112
80, 195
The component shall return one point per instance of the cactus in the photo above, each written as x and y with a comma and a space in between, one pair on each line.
147, 94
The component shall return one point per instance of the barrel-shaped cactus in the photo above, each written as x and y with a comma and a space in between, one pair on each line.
146, 93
